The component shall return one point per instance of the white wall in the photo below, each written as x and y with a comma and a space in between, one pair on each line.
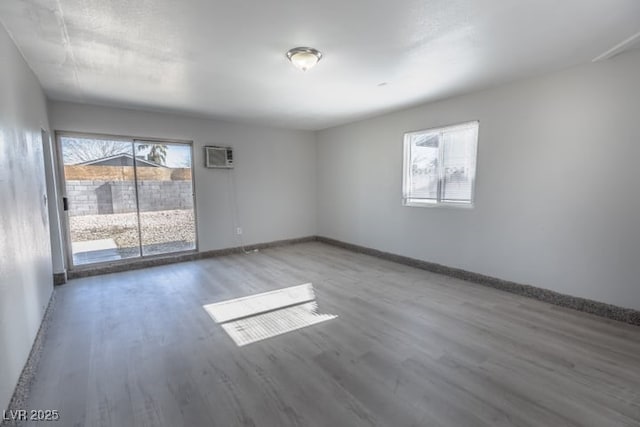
25, 256
275, 170
558, 184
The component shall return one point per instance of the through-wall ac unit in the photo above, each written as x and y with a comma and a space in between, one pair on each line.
218, 157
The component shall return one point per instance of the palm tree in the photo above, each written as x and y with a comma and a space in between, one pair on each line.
157, 152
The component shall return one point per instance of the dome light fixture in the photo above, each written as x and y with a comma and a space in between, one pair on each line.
304, 58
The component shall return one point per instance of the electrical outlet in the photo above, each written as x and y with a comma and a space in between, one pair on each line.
239, 231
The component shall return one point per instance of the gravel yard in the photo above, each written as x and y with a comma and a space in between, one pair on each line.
163, 231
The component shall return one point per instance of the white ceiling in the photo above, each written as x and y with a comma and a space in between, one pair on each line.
226, 58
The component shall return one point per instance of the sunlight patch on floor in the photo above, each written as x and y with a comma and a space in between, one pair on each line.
258, 317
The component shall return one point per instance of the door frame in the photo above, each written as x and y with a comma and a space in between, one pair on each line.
62, 193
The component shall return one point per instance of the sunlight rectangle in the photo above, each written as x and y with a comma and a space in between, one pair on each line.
256, 328
260, 303
269, 314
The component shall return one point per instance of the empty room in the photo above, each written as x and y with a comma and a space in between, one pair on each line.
339, 213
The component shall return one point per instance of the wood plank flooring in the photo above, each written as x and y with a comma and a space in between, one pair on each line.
409, 348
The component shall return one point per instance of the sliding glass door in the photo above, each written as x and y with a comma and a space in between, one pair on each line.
165, 197
126, 198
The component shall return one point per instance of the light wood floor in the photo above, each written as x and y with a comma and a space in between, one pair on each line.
409, 348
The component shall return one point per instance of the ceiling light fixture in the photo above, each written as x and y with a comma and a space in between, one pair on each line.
304, 58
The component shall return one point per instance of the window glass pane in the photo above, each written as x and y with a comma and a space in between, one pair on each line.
440, 165
423, 170
100, 190
165, 197
459, 155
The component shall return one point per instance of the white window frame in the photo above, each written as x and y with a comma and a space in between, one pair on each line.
407, 200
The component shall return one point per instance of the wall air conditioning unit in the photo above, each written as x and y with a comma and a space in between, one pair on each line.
218, 157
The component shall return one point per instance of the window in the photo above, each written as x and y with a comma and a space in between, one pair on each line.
440, 166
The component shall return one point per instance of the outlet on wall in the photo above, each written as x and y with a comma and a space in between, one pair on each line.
239, 231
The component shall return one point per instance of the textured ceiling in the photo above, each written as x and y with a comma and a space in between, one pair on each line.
226, 59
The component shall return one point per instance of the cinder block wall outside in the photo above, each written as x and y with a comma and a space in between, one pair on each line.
103, 190
103, 198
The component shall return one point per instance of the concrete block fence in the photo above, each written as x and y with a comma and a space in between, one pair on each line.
109, 197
